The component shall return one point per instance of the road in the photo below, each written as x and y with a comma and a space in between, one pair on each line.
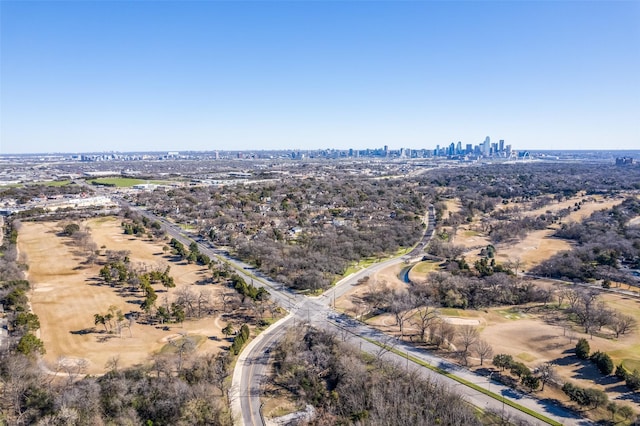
250, 370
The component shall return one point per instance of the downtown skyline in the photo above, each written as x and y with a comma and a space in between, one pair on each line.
175, 76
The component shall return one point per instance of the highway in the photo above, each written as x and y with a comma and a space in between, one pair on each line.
252, 364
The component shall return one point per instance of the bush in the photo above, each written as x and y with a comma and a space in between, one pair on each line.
71, 229
240, 339
582, 349
621, 372
585, 396
633, 380
603, 362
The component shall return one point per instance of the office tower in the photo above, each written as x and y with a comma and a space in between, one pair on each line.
469, 149
501, 145
486, 146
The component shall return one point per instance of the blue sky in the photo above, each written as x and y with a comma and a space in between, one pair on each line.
207, 75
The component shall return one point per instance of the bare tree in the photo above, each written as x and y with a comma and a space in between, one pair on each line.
483, 350
423, 320
203, 302
547, 373
444, 333
468, 336
401, 305
184, 345
622, 324
113, 363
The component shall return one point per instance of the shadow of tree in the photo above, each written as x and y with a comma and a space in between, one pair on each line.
566, 360
85, 331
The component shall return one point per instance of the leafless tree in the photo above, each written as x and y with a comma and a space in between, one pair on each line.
547, 373
467, 336
423, 319
203, 302
184, 346
444, 333
113, 363
623, 324
401, 305
483, 350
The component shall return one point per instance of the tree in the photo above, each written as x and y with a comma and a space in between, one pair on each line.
603, 362
183, 345
503, 361
596, 397
633, 380
547, 373
483, 350
625, 411
530, 382
401, 304
519, 369
621, 372
100, 319
622, 324
70, 229
582, 349
228, 330
468, 335
27, 321
30, 345
612, 407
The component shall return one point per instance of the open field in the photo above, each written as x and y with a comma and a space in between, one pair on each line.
66, 296
537, 246
119, 182
421, 269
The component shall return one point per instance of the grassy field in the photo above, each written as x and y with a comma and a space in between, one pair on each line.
425, 267
57, 183
119, 182
66, 296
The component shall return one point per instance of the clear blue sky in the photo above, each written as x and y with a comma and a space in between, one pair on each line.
207, 75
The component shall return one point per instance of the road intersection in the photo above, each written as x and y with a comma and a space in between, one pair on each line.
252, 366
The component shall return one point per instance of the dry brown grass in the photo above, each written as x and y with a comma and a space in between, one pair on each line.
532, 335
66, 296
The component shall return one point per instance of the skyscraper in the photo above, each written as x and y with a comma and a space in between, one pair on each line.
486, 146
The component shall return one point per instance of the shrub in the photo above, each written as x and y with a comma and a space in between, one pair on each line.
621, 372
585, 396
582, 349
603, 362
633, 380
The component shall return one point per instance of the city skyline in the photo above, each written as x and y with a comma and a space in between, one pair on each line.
206, 76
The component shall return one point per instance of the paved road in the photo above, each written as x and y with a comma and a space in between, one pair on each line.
251, 367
